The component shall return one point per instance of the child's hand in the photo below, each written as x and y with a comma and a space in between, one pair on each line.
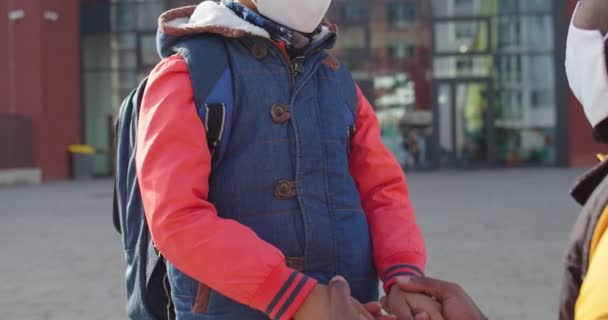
456, 303
410, 306
343, 307
334, 302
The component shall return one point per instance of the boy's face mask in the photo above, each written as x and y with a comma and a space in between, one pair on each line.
300, 15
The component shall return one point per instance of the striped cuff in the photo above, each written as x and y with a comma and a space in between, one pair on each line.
284, 292
400, 270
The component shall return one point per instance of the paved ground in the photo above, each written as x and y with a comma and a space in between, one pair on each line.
499, 233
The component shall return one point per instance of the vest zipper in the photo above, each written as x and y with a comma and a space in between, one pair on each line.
293, 65
295, 69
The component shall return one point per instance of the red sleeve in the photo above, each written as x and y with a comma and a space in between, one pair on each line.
398, 245
173, 165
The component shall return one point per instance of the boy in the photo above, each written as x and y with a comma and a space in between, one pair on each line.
304, 190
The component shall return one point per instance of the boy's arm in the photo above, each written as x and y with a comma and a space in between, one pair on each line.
173, 165
398, 245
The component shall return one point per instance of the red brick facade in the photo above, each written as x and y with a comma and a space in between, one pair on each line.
40, 77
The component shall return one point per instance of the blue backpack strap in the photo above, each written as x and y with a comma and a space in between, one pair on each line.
209, 67
128, 115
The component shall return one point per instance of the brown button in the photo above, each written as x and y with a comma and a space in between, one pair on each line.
259, 50
332, 63
280, 113
285, 190
296, 263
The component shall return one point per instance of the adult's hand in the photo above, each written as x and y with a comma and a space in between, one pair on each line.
411, 305
456, 303
343, 307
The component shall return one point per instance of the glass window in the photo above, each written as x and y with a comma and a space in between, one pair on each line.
465, 31
538, 32
96, 52
540, 70
509, 33
510, 105
463, 7
401, 14
509, 6
542, 98
354, 13
124, 16
98, 96
462, 66
147, 15
401, 51
462, 37
509, 69
353, 41
524, 6
148, 55
536, 5
124, 41
454, 8
127, 60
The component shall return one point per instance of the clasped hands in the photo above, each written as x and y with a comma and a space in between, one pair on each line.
408, 299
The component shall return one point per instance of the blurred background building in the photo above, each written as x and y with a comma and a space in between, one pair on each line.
456, 83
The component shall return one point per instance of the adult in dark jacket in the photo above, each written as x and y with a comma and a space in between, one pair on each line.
585, 283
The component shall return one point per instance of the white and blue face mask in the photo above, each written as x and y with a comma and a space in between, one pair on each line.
292, 39
301, 15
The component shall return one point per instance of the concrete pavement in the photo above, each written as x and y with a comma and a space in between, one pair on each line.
500, 234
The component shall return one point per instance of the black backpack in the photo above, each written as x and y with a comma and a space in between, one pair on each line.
148, 291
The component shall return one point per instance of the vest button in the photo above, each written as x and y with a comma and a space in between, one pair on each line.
280, 113
259, 50
285, 190
296, 263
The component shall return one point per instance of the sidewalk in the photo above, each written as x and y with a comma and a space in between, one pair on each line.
62, 259
500, 234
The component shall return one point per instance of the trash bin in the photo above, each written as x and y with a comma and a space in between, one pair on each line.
81, 160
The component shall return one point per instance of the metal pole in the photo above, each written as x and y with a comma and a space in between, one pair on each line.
12, 64
562, 134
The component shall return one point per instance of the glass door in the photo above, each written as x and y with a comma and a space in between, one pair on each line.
464, 123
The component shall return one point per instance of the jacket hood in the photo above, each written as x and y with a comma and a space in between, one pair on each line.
208, 17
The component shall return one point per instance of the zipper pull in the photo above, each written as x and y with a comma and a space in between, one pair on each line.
296, 69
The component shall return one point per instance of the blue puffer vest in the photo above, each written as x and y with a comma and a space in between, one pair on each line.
284, 171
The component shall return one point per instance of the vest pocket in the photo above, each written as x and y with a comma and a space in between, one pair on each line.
201, 304
183, 290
